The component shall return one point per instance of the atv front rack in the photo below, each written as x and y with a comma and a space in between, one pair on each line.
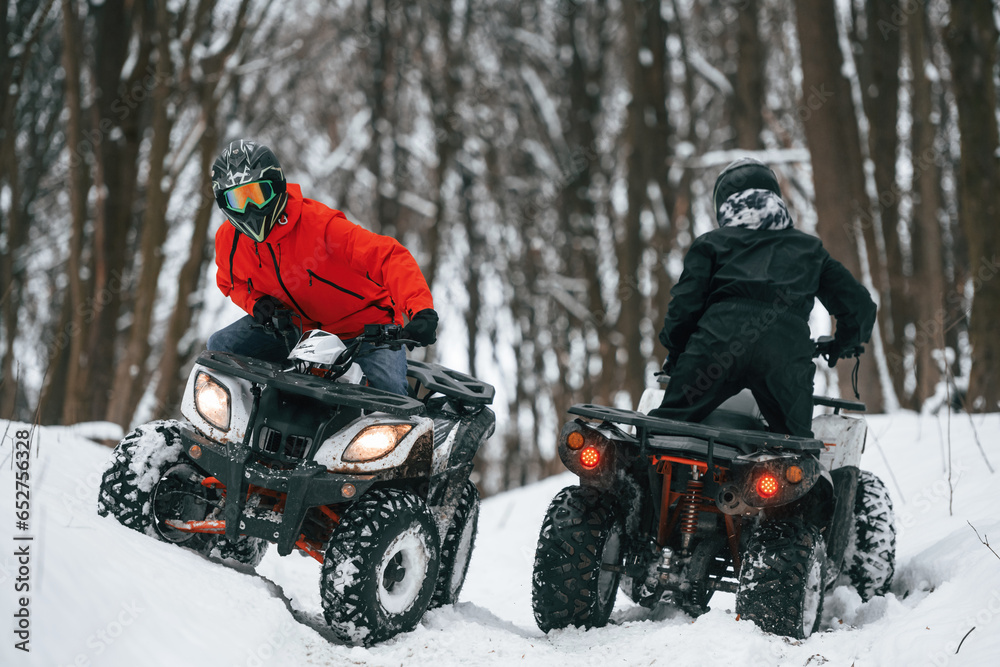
450, 383
686, 434
330, 393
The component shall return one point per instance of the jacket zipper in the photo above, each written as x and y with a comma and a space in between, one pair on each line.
277, 273
232, 254
332, 284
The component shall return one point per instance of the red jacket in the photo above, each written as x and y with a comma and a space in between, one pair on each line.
336, 275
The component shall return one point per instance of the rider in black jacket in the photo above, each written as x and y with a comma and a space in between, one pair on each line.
739, 315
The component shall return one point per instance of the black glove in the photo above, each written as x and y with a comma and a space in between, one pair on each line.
669, 364
422, 327
841, 350
264, 309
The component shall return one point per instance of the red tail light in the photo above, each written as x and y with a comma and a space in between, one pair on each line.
590, 457
767, 485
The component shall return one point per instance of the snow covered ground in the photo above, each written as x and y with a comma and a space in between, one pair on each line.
104, 595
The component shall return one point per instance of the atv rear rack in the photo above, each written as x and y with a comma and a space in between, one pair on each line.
744, 441
694, 447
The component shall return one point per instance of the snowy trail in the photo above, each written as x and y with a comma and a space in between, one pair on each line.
104, 595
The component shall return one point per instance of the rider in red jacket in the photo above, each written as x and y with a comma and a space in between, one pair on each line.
284, 251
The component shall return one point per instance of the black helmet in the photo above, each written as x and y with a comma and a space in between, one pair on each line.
745, 173
249, 187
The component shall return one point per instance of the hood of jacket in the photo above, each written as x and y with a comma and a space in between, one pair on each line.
754, 209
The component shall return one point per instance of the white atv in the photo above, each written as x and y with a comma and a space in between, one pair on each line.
373, 485
674, 511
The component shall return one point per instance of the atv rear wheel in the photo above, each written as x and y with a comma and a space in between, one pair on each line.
456, 549
380, 568
781, 579
150, 481
578, 561
870, 559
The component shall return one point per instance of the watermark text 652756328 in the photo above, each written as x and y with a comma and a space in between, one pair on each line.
22, 540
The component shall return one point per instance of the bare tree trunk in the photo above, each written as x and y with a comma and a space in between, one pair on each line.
446, 84
647, 148
32, 139
11, 278
130, 376
972, 38
833, 137
879, 69
748, 102
116, 177
69, 342
207, 94
577, 207
925, 242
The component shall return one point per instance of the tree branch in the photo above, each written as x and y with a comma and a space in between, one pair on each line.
985, 540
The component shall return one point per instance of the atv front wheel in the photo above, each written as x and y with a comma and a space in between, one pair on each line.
456, 549
870, 559
150, 482
380, 568
245, 550
578, 561
707, 564
781, 579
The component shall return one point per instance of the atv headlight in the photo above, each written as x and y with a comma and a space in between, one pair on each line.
211, 400
375, 442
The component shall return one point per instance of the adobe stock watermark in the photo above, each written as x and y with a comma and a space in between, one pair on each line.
87, 311
982, 618
578, 162
892, 197
930, 331
897, 20
934, 495
812, 101
105, 636
750, 332
83, 492
363, 37
262, 653
121, 107
716, 23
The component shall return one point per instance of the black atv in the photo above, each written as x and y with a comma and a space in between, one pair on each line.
373, 485
673, 511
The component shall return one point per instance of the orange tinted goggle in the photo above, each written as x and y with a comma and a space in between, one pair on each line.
259, 193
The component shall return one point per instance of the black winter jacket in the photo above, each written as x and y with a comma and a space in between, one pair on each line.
785, 269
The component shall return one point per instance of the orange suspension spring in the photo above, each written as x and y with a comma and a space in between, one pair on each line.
689, 509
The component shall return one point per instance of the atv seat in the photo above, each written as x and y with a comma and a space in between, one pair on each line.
733, 419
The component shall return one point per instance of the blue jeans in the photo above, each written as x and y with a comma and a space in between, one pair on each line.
385, 368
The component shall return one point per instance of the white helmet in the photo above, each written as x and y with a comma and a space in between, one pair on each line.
322, 348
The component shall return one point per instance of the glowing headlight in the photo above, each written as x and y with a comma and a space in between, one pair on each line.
375, 442
211, 400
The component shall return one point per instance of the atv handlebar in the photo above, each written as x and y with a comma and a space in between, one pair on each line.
286, 322
827, 347
387, 335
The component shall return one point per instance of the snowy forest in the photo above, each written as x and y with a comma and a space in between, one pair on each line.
547, 162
